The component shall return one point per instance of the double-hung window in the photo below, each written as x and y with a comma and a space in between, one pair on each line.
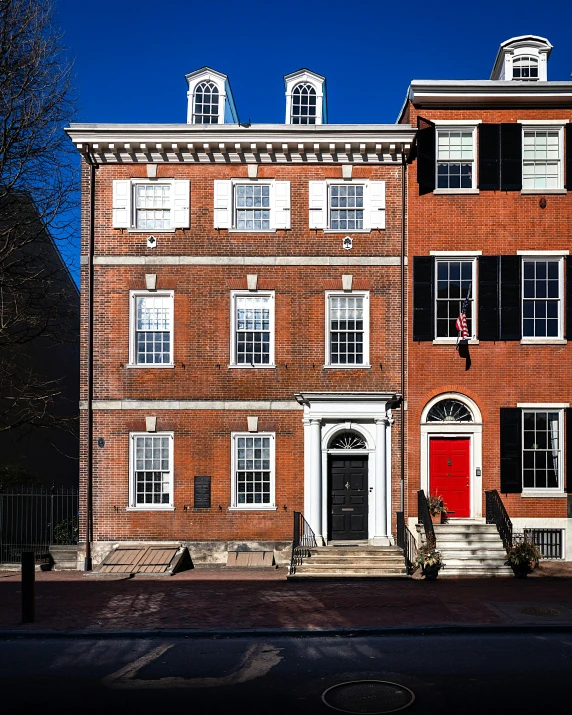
542, 297
542, 151
347, 329
455, 282
151, 459
347, 206
252, 206
252, 329
151, 205
542, 449
253, 471
151, 340
455, 158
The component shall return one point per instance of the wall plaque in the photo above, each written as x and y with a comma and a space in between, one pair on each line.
202, 493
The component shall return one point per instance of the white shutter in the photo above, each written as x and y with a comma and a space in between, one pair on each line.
121, 203
181, 202
222, 203
281, 204
317, 200
377, 204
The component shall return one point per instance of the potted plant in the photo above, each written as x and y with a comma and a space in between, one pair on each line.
430, 560
437, 508
523, 558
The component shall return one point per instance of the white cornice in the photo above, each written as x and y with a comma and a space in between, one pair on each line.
425, 93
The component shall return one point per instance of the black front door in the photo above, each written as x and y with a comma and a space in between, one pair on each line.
348, 497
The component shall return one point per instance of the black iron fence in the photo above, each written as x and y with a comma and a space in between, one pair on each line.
406, 541
498, 515
303, 540
34, 518
549, 541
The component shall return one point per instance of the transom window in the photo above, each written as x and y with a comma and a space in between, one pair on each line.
252, 207
347, 325
541, 159
454, 281
541, 449
253, 471
455, 158
206, 104
449, 411
303, 104
525, 68
152, 470
348, 440
152, 338
253, 330
346, 207
152, 206
541, 301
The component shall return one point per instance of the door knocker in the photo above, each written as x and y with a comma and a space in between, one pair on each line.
347, 485
449, 462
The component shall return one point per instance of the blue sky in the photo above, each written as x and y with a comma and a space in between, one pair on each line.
131, 57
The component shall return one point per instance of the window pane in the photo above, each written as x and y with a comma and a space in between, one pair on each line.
346, 330
541, 299
252, 330
541, 449
152, 329
453, 285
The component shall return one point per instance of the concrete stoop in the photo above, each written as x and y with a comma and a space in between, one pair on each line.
471, 550
352, 562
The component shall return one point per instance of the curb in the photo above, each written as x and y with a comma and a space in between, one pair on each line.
436, 630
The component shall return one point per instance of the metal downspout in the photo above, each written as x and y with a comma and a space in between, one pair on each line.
403, 317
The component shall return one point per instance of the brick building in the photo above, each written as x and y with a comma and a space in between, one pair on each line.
242, 357
490, 217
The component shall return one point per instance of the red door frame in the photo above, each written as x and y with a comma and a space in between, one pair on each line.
450, 472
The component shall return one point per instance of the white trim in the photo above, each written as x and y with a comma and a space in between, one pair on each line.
272, 208
234, 294
545, 491
206, 405
454, 254
542, 122
348, 294
133, 295
456, 122
540, 254
234, 506
561, 156
546, 340
133, 506
456, 192
287, 260
543, 341
466, 257
461, 126
544, 405
529, 493
454, 341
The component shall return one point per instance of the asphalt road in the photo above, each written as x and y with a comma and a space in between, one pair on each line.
273, 676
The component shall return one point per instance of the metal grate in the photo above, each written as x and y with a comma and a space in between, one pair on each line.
549, 541
539, 611
368, 697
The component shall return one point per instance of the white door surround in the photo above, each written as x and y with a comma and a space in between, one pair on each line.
368, 414
473, 430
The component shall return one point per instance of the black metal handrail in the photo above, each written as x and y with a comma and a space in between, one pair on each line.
406, 541
498, 515
425, 518
303, 540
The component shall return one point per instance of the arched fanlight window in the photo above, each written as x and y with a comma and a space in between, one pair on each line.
206, 104
449, 411
525, 68
303, 104
348, 440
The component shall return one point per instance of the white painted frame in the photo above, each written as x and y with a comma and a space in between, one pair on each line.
253, 182
466, 258
133, 295
234, 294
473, 430
548, 127
234, 506
133, 506
469, 125
348, 294
544, 491
366, 205
552, 258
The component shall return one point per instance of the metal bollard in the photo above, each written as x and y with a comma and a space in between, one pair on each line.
28, 586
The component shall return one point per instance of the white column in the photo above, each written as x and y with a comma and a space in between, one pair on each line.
315, 515
380, 535
307, 468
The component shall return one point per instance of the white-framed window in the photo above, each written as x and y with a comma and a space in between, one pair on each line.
347, 329
206, 104
542, 297
542, 432
151, 470
525, 68
542, 152
151, 205
455, 280
252, 329
304, 100
252, 206
348, 206
253, 470
151, 329
456, 151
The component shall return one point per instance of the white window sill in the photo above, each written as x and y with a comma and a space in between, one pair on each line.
350, 231
246, 230
347, 367
160, 365
456, 192
544, 495
251, 367
453, 341
526, 192
151, 231
253, 508
543, 341
149, 507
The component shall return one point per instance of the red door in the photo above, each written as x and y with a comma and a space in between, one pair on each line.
449, 459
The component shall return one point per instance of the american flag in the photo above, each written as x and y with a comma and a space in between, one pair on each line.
461, 323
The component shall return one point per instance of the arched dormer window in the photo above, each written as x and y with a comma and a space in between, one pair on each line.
525, 68
303, 104
205, 107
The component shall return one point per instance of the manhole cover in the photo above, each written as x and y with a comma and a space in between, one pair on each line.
539, 611
368, 697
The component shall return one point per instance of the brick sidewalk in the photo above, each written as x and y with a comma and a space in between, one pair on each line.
219, 598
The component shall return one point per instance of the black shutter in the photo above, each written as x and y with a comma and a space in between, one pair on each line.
569, 157
510, 450
488, 297
568, 326
425, 155
423, 298
568, 457
510, 310
489, 157
511, 157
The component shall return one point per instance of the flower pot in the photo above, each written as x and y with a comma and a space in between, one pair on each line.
521, 570
430, 571
437, 518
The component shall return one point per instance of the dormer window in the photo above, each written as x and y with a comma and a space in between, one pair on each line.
206, 104
525, 68
303, 104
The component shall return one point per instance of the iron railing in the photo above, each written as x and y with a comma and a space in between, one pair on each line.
34, 518
303, 540
498, 515
425, 518
549, 541
406, 541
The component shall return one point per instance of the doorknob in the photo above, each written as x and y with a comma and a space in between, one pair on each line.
347, 485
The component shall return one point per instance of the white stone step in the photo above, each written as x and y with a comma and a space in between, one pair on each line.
471, 554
